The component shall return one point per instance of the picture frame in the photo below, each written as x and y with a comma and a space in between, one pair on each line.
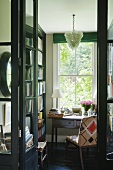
7, 114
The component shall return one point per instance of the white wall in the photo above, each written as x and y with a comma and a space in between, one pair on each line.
49, 80
5, 20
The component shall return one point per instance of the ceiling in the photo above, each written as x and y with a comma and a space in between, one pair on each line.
55, 16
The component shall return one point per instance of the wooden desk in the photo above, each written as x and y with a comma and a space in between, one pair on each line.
72, 122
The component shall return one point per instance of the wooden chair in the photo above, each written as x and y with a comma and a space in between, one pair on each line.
42, 153
87, 136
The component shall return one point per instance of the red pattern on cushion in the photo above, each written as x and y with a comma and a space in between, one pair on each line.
92, 127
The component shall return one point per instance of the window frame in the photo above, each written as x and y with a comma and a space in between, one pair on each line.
56, 76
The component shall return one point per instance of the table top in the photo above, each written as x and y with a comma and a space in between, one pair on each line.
72, 116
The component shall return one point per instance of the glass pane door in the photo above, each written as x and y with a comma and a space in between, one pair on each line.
9, 85
28, 82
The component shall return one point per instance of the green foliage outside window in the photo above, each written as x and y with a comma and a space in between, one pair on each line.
75, 74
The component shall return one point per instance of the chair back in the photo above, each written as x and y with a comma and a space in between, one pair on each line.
88, 132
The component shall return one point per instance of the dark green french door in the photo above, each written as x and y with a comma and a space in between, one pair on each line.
105, 84
17, 59
28, 117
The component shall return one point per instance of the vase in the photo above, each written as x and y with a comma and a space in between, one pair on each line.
85, 112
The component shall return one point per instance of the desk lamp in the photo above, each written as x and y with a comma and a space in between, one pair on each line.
57, 94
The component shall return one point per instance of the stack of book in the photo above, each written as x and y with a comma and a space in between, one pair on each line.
54, 113
28, 138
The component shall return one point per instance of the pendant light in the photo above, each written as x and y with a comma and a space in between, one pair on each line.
73, 38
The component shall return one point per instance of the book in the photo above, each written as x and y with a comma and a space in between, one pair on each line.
40, 103
54, 111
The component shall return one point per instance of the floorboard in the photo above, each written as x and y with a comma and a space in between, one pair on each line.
57, 158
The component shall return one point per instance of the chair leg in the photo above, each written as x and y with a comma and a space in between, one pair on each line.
81, 158
66, 146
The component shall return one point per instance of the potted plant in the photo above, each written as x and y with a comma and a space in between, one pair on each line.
86, 104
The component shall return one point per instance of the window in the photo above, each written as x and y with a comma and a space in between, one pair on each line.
75, 74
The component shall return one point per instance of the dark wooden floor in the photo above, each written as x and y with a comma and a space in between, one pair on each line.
57, 158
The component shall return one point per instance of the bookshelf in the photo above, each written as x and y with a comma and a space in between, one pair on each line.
41, 84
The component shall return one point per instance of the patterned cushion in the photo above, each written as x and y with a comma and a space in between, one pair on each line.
73, 139
87, 133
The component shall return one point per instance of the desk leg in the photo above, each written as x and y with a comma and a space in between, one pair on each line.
56, 135
52, 137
